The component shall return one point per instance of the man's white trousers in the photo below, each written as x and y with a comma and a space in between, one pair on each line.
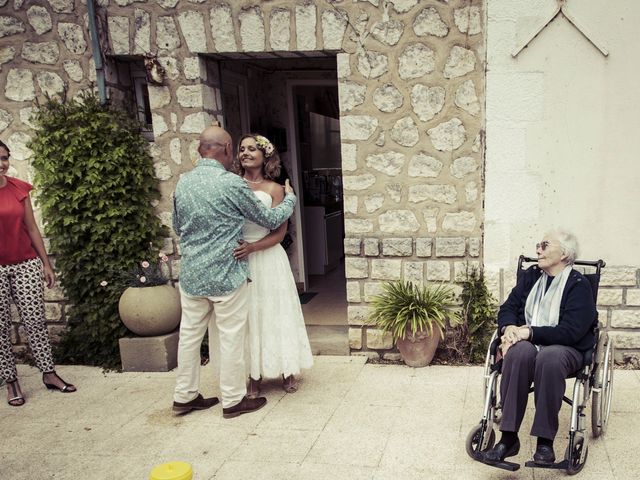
226, 315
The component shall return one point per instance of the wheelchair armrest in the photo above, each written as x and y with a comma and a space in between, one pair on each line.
587, 357
493, 348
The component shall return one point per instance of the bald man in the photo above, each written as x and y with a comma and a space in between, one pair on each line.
210, 207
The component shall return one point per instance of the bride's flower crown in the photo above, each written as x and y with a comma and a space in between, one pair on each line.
265, 145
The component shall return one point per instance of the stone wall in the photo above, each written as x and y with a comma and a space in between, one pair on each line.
411, 97
619, 307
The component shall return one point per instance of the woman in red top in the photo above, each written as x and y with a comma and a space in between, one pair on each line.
23, 264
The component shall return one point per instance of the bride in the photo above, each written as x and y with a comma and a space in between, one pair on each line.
278, 341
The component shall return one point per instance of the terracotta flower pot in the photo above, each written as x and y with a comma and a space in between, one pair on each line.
418, 350
150, 311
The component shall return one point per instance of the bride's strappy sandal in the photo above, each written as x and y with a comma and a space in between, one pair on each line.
15, 399
289, 384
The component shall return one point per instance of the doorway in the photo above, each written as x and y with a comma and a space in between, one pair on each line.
294, 102
315, 139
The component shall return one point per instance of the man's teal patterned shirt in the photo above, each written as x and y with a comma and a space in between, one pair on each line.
210, 207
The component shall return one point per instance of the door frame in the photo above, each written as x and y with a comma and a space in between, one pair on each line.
240, 83
296, 176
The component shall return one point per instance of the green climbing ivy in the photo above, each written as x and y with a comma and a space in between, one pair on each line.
95, 186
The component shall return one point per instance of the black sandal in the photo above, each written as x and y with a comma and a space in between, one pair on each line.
67, 388
17, 400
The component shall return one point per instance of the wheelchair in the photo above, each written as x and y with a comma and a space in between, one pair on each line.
594, 380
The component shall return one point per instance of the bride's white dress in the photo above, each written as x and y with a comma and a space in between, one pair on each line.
278, 341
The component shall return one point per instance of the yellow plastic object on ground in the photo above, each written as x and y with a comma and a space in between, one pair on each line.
172, 471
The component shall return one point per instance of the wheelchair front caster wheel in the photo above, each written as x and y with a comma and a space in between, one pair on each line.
473, 441
575, 462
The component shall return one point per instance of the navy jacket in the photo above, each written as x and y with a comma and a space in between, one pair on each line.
577, 311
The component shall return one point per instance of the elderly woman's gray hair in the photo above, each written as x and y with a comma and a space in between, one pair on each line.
568, 243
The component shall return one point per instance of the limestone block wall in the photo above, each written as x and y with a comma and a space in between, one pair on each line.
411, 101
411, 85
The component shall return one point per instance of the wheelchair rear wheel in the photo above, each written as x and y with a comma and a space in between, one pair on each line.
472, 443
575, 464
601, 403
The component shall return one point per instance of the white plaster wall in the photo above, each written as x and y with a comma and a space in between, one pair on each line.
562, 130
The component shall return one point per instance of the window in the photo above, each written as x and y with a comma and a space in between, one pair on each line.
143, 108
128, 87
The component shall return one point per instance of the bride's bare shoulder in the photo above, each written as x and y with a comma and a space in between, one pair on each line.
275, 190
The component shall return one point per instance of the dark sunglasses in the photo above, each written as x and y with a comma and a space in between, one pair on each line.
543, 245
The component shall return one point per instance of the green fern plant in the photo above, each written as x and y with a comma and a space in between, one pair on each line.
404, 308
96, 185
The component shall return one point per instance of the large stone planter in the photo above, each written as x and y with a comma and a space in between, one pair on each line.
150, 311
418, 350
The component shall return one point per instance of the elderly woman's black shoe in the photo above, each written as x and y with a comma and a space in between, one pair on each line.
501, 451
544, 455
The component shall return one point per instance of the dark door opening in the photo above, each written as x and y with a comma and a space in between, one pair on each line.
294, 102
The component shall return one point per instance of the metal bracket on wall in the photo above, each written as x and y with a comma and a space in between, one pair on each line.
561, 8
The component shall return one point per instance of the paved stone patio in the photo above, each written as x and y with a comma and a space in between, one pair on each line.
349, 420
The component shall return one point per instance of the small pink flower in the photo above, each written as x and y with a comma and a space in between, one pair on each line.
104, 283
143, 279
145, 264
164, 258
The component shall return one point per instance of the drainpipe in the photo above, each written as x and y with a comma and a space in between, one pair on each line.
97, 54
224, 120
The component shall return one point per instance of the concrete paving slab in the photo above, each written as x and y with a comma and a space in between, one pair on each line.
360, 447
378, 417
234, 470
320, 471
446, 375
282, 445
349, 420
387, 391
426, 452
298, 416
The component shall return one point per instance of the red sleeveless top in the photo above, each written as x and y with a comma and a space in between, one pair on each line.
15, 243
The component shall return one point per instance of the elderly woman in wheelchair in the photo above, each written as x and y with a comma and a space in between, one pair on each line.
547, 331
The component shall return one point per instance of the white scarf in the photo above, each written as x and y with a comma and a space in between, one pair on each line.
543, 308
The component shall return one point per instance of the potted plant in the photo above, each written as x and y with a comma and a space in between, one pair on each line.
149, 306
415, 316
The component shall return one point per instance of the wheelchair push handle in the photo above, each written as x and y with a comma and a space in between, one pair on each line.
599, 264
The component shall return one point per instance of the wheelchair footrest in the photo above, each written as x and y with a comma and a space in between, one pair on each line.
563, 465
504, 465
